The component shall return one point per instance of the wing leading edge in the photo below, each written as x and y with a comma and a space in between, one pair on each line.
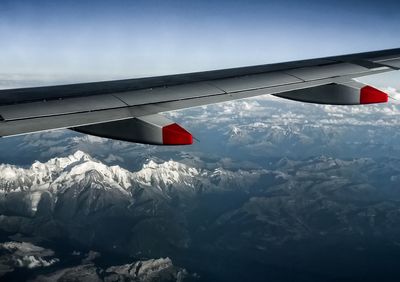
108, 109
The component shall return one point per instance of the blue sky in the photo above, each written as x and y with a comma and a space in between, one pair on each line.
113, 39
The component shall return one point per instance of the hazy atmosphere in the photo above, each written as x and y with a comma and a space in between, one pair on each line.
271, 190
141, 38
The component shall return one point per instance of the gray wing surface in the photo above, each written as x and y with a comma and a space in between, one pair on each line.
84, 106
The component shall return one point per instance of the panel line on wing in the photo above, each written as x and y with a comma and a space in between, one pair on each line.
21, 114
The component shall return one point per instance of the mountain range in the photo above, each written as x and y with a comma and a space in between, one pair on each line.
262, 219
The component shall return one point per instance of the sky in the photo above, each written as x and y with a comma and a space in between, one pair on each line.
121, 39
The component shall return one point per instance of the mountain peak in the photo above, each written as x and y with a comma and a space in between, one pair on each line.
81, 155
150, 164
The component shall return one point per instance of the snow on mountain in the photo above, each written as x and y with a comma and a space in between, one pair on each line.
16, 255
151, 270
86, 171
13, 178
24, 254
167, 173
235, 179
147, 270
80, 172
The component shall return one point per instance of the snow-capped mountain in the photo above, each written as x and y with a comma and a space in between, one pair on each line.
59, 172
166, 208
24, 254
16, 255
85, 200
80, 180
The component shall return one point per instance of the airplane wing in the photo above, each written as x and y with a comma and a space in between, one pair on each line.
130, 109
